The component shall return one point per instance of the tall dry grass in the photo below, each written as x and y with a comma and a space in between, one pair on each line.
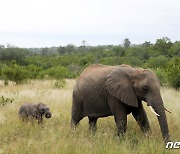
55, 135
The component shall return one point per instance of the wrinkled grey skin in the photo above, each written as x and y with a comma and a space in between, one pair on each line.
103, 91
33, 111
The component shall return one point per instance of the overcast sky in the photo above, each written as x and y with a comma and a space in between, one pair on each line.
45, 23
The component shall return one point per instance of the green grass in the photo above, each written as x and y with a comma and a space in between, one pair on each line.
55, 135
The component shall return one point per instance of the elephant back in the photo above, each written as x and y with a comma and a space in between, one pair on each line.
91, 83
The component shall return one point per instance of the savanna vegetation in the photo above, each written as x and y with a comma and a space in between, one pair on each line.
55, 135
19, 65
48, 75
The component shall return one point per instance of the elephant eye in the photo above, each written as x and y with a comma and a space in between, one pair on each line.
145, 89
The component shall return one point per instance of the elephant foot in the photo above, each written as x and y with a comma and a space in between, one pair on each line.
92, 124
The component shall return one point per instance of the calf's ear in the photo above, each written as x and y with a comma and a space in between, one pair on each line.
42, 108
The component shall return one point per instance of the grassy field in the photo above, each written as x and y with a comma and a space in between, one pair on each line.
55, 135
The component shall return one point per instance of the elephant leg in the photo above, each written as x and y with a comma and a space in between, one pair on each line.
77, 111
39, 118
121, 123
141, 117
92, 124
120, 114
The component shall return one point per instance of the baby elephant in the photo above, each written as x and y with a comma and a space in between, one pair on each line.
32, 111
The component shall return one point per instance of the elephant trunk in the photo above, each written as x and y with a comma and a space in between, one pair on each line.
159, 108
48, 114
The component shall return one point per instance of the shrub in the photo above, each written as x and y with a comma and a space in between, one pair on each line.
108, 61
15, 73
57, 72
34, 71
137, 52
161, 75
156, 62
118, 50
4, 101
1, 67
173, 73
135, 62
163, 45
59, 83
175, 49
16, 54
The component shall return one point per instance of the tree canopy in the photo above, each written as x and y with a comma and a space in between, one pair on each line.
18, 64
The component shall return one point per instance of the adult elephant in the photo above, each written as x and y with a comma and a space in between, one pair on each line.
103, 91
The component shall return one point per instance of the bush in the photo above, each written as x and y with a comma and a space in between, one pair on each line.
15, 73
175, 49
109, 60
4, 101
118, 50
135, 62
137, 52
161, 75
57, 72
16, 54
59, 83
86, 60
1, 67
156, 62
173, 73
34, 71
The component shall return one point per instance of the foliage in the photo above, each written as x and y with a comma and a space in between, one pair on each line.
4, 101
57, 72
60, 83
118, 50
127, 43
158, 62
33, 71
175, 49
163, 45
173, 73
15, 73
161, 74
137, 52
16, 54
134, 61
69, 61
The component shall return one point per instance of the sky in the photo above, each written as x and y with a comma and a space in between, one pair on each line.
46, 23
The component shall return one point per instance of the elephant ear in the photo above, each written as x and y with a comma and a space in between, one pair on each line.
119, 85
42, 108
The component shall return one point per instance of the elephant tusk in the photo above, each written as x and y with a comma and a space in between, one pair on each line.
154, 111
167, 110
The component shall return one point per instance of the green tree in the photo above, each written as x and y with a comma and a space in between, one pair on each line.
163, 45
44, 51
127, 43
158, 62
15, 73
118, 50
162, 75
146, 44
70, 48
34, 71
137, 52
173, 73
17, 54
175, 49
57, 72
61, 50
